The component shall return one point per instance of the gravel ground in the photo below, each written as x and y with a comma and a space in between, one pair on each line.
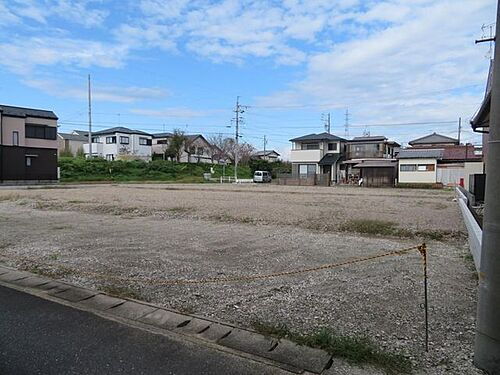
159, 232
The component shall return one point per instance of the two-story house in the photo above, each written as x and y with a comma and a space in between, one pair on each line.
28, 145
317, 154
120, 143
372, 159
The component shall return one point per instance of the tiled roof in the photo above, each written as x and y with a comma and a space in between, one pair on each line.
460, 153
369, 138
265, 153
162, 135
318, 137
73, 137
119, 129
433, 138
420, 154
8, 110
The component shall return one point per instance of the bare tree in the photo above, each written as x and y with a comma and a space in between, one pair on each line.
219, 147
245, 150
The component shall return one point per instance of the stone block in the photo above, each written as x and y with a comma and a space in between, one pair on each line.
165, 319
248, 342
132, 310
215, 332
73, 294
101, 302
194, 326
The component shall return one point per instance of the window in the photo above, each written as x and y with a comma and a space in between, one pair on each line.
307, 169
199, 151
110, 157
426, 167
144, 141
124, 140
40, 131
110, 140
408, 167
29, 160
192, 150
96, 139
310, 146
15, 138
162, 142
332, 147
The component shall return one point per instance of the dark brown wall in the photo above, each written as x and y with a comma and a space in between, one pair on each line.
378, 177
13, 163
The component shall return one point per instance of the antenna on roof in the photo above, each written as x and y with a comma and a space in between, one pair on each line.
346, 125
327, 120
90, 120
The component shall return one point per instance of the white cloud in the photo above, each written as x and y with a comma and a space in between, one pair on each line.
99, 92
387, 74
75, 11
22, 55
171, 112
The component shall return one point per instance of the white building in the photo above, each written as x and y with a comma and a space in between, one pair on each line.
120, 143
196, 149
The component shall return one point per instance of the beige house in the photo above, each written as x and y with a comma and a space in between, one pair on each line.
268, 155
418, 166
70, 142
196, 149
28, 144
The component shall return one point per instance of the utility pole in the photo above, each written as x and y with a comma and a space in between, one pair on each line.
328, 123
90, 122
346, 130
487, 343
239, 109
459, 129
265, 144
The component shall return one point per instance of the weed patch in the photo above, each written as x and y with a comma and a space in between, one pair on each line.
55, 272
358, 350
121, 291
371, 227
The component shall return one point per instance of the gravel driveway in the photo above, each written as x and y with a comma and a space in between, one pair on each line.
158, 232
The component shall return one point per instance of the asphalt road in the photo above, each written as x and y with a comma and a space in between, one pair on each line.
42, 337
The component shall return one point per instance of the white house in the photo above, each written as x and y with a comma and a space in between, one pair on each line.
418, 166
317, 154
120, 143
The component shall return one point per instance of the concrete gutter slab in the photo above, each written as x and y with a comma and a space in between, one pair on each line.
102, 302
215, 332
132, 310
53, 286
249, 342
165, 319
13, 276
194, 326
303, 357
31, 282
73, 294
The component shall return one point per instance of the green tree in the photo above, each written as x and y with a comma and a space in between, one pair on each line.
176, 145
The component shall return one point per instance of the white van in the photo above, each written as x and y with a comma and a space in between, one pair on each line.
262, 176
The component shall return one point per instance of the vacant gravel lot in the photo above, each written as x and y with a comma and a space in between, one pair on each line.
96, 235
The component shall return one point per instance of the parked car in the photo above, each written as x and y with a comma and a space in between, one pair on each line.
262, 176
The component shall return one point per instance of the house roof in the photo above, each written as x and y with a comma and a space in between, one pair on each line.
409, 153
330, 159
461, 153
8, 110
119, 129
369, 138
376, 164
265, 153
433, 138
73, 137
317, 137
482, 117
162, 135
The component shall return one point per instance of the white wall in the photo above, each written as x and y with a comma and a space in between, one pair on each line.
133, 148
418, 177
313, 156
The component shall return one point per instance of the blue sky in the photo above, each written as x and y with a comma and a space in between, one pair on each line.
159, 65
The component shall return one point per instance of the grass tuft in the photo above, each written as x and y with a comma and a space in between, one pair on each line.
121, 292
358, 350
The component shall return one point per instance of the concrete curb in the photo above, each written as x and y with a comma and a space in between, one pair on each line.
280, 353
